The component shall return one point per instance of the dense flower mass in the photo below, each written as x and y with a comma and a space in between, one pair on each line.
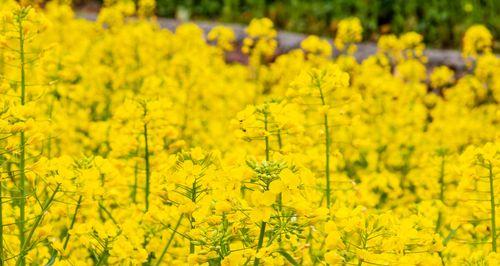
123, 143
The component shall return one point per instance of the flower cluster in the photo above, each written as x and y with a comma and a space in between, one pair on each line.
122, 143
477, 40
349, 33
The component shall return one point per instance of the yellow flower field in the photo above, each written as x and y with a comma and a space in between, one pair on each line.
123, 143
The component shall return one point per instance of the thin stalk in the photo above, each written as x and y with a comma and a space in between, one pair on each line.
191, 243
441, 179
261, 240
146, 159
1, 223
263, 224
134, 188
364, 237
133, 195
280, 196
493, 210
440, 253
280, 140
441, 192
1, 181
280, 201
167, 245
108, 213
191, 219
73, 220
327, 148
24, 249
66, 238
22, 174
266, 137
327, 160
104, 255
49, 144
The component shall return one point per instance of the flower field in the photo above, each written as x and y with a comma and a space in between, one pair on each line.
123, 143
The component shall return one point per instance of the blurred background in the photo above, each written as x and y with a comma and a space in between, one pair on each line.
442, 22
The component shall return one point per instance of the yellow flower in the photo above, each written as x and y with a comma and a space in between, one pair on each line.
316, 46
224, 37
197, 154
442, 76
333, 258
349, 33
334, 240
477, 39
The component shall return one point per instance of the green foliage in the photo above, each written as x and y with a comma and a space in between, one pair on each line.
442, 22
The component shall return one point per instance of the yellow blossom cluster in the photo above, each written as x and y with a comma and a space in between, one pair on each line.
477, 40
123, 143
349, 33
223, 36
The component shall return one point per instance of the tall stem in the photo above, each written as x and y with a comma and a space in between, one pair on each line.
441, 192
22, 176
327, 147
73, 220
49, 144
1, 223
103, 258
493, 210
167, 245
261, 241
280, 195
133, 194
25, 248
66, 238
1, 180
280, 140
266, 138
146, 159
263, 224
441, 179
327, 160
191, 218
134, 188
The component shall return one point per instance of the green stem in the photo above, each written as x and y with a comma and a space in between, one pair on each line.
49, 144
66, 238
327, 147
493, 210
263, 224
440, 253
22, 174
266, 138
364, 239
261, 240
167, 245
280, 140
73, 220
441, 192
327, 159
280, 196
146, 159
191, 243
134, 188
1, 223
108, 213
441, 179
191, 219
280, 201
104, 255
24, 248
1, 183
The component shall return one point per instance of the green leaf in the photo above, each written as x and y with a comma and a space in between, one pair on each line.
288, 257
